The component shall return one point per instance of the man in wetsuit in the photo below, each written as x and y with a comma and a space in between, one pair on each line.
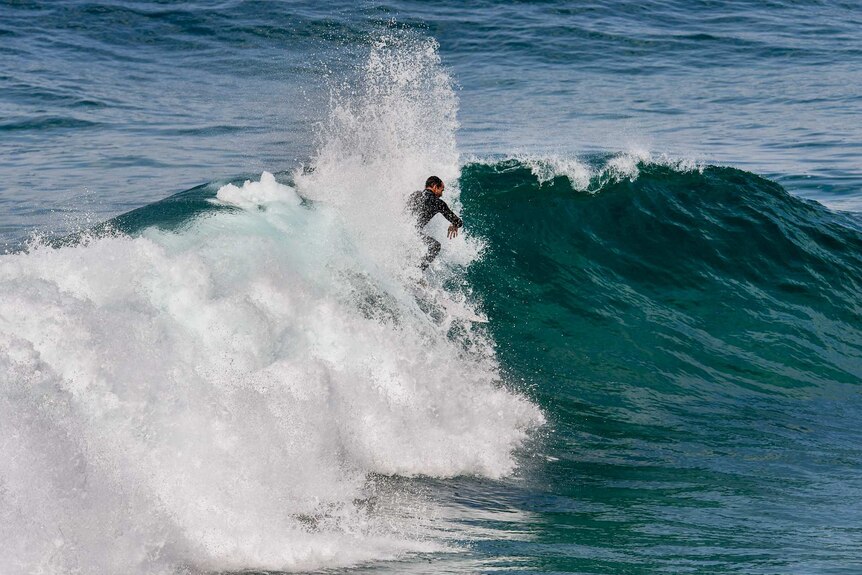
425, 205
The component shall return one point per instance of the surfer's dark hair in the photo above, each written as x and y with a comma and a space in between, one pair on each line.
433, 181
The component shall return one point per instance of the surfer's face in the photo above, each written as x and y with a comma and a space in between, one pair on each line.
437, 190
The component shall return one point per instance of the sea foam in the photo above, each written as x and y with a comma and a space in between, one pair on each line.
228, 397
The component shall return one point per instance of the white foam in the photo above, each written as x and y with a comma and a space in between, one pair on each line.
391, 127
616, 168
256, 194
546, 168
216, 399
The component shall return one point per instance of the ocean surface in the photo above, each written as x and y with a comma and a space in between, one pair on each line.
218, 355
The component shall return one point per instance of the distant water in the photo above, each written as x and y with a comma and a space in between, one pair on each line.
213, 354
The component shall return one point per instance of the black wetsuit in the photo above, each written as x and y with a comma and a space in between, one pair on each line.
425, 205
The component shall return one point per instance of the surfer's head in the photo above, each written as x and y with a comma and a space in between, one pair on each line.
435, 185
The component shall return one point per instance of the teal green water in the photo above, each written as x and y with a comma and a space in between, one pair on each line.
696, 340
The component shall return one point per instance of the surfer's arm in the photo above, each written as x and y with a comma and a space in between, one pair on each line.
453, 219
450, 215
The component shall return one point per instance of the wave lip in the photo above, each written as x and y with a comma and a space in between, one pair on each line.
591, 173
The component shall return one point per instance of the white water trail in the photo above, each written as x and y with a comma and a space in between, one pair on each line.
223, 398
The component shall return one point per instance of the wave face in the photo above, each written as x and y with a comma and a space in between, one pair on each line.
228, 379
697, 261
694, 334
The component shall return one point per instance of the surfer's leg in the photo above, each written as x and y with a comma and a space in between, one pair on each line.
433, 250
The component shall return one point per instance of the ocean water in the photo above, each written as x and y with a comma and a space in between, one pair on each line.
214, 357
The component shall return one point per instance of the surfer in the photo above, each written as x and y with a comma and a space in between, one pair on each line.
425, 204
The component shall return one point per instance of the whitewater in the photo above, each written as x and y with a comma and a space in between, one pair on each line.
234, 393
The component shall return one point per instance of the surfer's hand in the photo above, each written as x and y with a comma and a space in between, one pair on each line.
453, 231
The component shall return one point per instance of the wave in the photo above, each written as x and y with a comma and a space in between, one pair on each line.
169, 368
703, 281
